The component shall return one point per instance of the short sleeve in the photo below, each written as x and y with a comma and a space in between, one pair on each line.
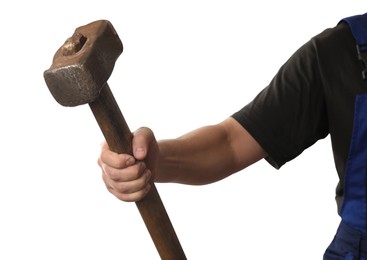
289, 115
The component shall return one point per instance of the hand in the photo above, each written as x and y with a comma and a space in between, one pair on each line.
127, 177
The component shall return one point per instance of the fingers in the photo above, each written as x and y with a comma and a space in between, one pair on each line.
113, 159
129, 191
124, 176
130, 197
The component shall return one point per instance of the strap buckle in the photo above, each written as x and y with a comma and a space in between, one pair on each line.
362, 56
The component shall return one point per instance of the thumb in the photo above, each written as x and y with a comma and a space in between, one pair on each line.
142, 139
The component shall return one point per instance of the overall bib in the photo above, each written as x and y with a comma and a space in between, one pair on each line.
350, 241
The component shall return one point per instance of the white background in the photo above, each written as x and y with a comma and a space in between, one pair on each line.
185, 64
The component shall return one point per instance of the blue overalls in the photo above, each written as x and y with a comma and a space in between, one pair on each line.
350, 241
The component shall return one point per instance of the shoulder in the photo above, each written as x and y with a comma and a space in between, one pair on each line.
337, 40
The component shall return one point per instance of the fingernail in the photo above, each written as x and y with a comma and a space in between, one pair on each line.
147, 189
140, 150
130, 161
148, 176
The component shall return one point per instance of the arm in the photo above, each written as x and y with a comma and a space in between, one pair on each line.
202, 156
207, 154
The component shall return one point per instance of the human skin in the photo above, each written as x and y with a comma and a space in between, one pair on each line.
202, 156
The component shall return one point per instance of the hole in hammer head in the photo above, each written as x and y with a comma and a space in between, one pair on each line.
73, 44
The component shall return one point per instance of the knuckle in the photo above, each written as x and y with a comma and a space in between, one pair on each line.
122, 187
120, 161
130, 197
139, 169
113, 174
103, 157
125, 198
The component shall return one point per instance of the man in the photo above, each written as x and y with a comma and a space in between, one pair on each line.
320, 90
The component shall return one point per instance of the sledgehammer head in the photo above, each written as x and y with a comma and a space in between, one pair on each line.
83, 64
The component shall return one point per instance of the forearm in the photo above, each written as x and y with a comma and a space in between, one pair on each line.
199, 157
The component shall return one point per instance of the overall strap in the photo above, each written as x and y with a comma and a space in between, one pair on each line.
358, 26
354, 208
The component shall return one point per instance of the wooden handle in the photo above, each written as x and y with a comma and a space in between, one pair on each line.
151, 208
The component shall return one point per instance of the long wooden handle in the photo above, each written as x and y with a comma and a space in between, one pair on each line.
118, 136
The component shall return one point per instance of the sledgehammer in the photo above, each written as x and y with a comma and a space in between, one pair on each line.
78, 75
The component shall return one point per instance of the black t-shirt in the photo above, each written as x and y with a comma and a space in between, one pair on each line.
312, 95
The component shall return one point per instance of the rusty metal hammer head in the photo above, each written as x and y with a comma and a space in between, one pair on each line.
83, 64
